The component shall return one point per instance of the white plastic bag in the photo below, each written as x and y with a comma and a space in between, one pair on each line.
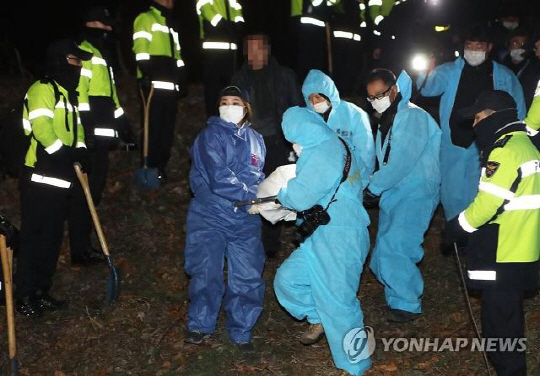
278, 179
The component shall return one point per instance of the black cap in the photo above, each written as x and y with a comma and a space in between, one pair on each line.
495, 100
100, 14
58, 50
235, 91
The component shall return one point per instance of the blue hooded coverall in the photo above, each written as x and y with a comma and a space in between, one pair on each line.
461, 167
227, 164
346, 119
320, 279
409, 188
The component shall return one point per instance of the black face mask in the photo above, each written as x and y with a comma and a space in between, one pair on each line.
488, 130
97, 34
66, 75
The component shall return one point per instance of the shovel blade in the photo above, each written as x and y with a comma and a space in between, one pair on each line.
14, 367
114, 284
147, 178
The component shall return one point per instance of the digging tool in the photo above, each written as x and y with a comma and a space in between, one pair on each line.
146, 177
464, 285
329, 54
114, 281
254, 201
7, 267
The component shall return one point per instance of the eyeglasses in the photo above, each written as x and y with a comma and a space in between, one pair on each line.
372, 98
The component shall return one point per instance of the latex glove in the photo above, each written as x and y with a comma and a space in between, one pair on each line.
254, 209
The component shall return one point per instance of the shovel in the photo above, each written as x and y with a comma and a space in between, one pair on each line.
7, 263
114, 282
145, 177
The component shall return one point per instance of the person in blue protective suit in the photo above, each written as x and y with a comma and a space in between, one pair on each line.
346, 119
460, 82
227, 164
408, 180
320, 279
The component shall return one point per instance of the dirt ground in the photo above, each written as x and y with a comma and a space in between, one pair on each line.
144, 334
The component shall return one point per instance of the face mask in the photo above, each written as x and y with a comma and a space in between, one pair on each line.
510, 25
231, 114
297, 149
321, 107
517, 54
381, 105
474, 58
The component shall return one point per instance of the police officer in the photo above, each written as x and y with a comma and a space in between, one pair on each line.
103, 119
502, 224
51, 117
220, 21
157, 52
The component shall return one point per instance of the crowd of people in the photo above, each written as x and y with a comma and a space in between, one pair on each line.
479, 161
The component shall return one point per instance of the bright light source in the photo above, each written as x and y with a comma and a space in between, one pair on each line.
456, 53
393, 37
363, 24
440, 29
419, 62
433, 2
376, 32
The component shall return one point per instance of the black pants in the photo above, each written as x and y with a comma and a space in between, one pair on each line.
311, 51
503, 317
43, 212
79, 219
162, 121
277, 152
219, 66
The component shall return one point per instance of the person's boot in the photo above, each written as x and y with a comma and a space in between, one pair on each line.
400, 316
245, 347
45, 302
313, 335
27, 307
196, 337
90, 257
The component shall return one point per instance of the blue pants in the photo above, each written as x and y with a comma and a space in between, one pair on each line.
211, 237
403, 221
319, 281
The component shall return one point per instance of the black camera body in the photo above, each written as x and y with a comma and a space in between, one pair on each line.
313, 218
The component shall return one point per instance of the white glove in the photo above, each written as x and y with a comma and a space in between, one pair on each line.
254, 209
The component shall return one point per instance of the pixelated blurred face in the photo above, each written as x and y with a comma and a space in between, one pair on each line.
257, 53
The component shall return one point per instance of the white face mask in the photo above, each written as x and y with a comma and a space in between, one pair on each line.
517, 54
232, 114
474, 58
321, 107
297, 149
510, 25
381, 105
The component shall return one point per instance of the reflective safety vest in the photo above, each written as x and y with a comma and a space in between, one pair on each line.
509, 195
97, 80
48, 118
533, 116
152, 37
217, 19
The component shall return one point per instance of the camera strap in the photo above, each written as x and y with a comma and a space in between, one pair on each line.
346, 170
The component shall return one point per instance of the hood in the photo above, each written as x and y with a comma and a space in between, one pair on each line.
318, 82
404, 84
304, 127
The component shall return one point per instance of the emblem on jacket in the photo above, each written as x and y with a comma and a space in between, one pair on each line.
491, 168
255, 160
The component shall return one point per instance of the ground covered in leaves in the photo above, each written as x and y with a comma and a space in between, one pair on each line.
144, 334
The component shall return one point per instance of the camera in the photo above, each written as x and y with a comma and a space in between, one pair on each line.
313, 218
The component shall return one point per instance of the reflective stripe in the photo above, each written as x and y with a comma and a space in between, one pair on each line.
98, 61
363, 24
86, 72
465, 224
80, 145
238, 19
142, 56
347, 35
374, 3
118, 112
50, 181
142, 34
218, 46
376, 32
496, 190
530, 168
316, 3
54, 147
312, 21
177, 87
531, 132
529, 202
482, 275
202, 3
215, 20
180, 63
107, 132
163, 85
357, 37
378, 19
62, 105
537, 91
84, 106
158, 27
362, 6
40, 112
235, 5
27, 126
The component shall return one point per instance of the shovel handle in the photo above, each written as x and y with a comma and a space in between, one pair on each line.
6, 268
146, 129
83, 178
